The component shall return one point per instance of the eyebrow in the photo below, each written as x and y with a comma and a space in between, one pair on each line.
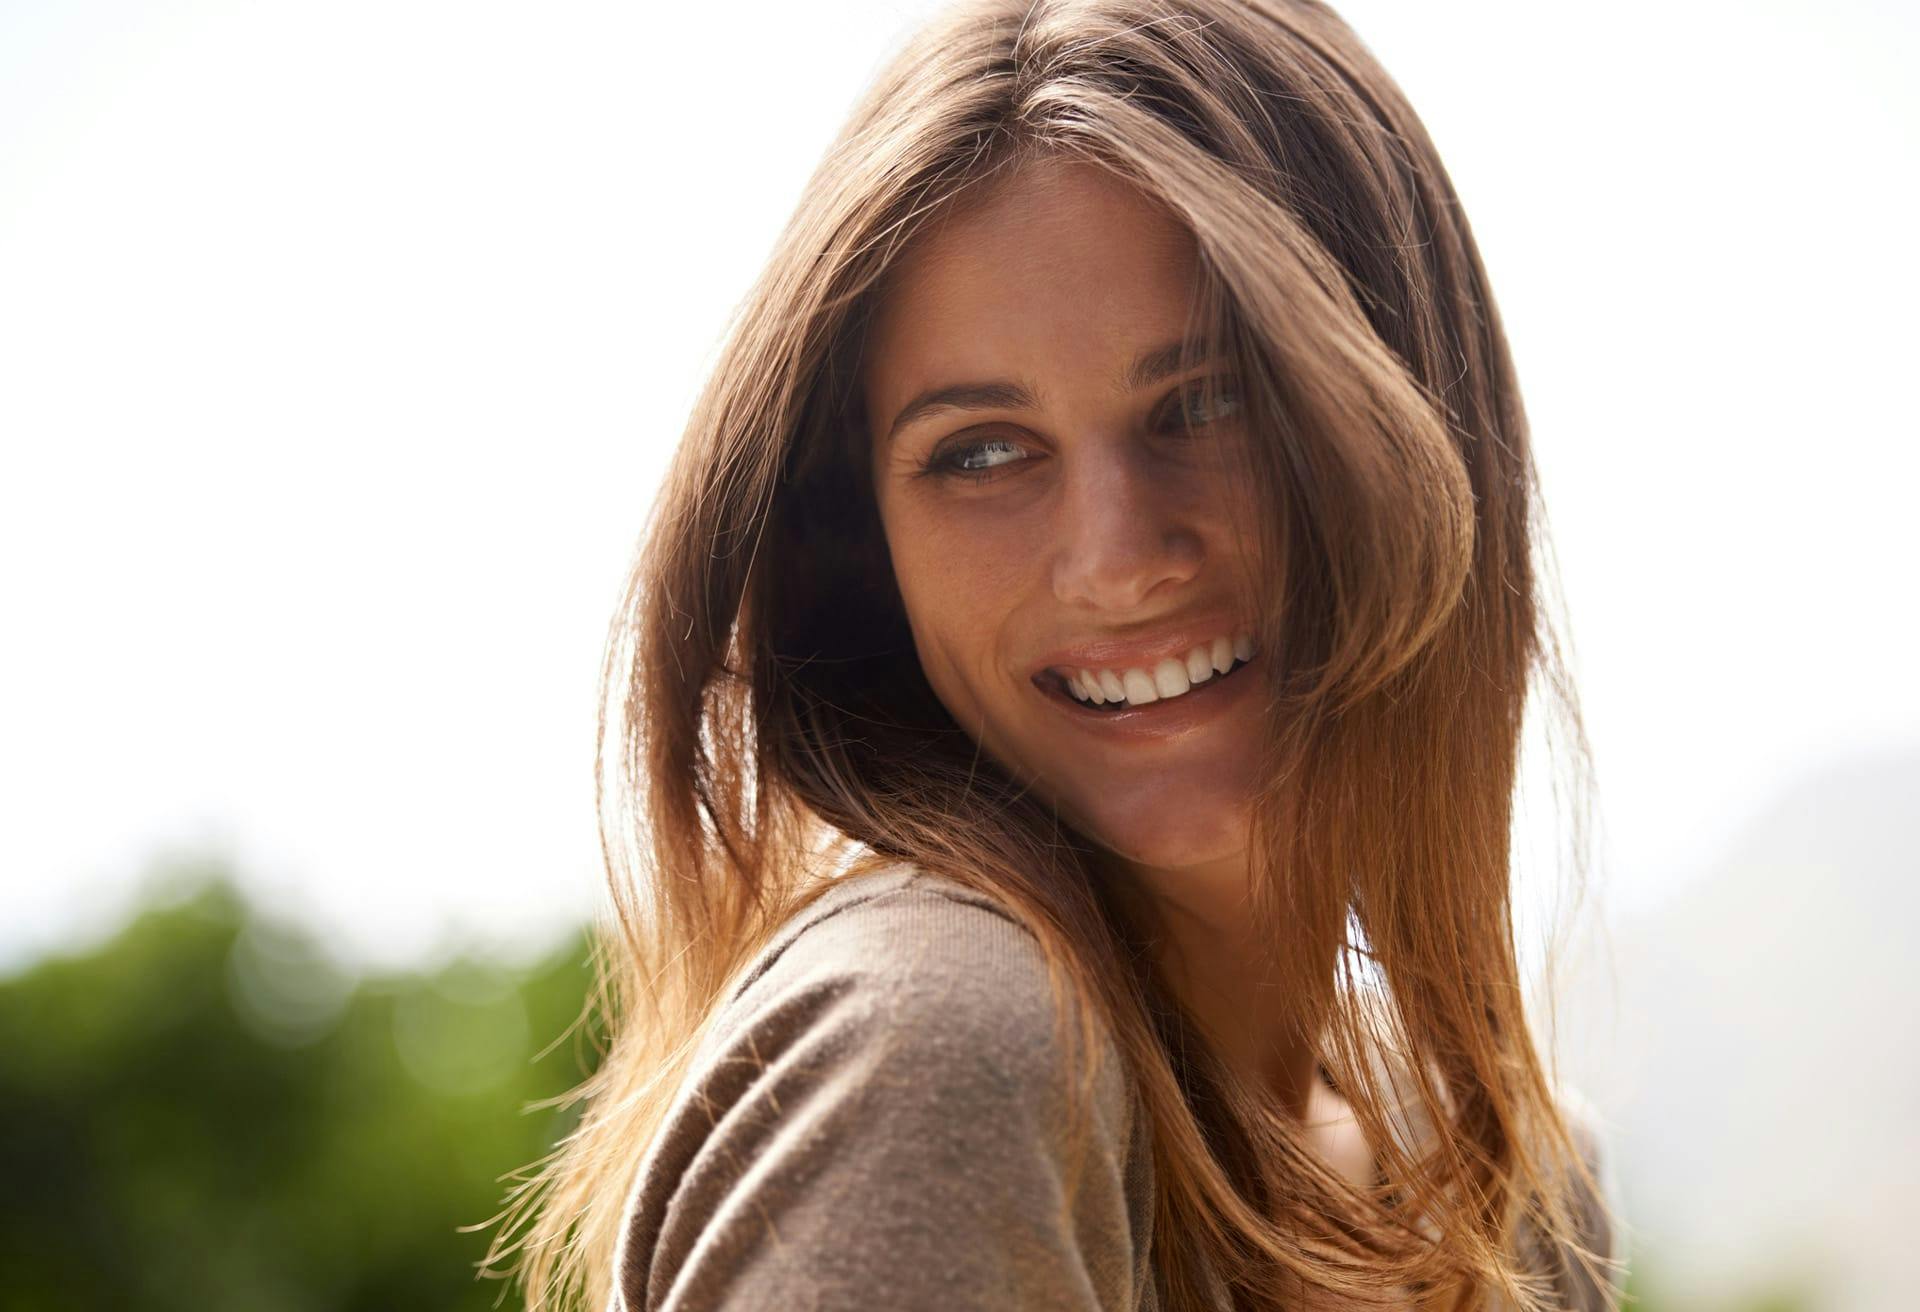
1148, 369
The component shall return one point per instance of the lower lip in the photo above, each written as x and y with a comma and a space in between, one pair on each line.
1168, 717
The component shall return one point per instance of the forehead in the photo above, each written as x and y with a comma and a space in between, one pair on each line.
1060, 274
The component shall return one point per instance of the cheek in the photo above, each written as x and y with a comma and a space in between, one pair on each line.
968, 544
961, 576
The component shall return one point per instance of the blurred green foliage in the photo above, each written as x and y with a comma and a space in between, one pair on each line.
1647, 1293
205, 1113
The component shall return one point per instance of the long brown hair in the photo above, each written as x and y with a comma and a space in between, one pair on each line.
767, 724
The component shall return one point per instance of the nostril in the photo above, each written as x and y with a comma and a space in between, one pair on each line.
1116, 555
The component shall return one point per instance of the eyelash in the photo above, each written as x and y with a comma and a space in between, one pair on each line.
944, 462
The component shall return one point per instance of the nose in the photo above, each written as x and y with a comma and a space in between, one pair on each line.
1121, 535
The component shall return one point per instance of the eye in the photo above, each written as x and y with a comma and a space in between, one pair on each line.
976, 460
1208, 401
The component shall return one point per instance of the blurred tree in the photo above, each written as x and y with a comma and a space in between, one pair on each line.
205, 1113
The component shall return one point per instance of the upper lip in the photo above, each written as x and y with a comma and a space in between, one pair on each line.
1141, 651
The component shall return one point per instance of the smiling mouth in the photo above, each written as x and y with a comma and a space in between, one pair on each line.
1112, 692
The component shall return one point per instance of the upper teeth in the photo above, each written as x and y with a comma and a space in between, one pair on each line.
1168, 678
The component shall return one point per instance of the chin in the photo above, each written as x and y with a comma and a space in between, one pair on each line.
1171, 837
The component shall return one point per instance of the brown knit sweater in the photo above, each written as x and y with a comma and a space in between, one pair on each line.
870, 1124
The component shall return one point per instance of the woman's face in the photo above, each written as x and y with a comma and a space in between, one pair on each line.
1053, 486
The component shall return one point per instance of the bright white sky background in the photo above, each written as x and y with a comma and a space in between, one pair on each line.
341, 345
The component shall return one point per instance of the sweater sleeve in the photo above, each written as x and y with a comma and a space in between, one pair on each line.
875, 1121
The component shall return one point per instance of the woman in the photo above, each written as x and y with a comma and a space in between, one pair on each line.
1070, 696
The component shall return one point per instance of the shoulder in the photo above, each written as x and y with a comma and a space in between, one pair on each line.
1597, 1211
874, 1118
1587, 1274
898, 925
1594, 1210
928, 1000
906, 954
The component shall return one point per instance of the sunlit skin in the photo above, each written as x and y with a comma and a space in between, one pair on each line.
1067, 506
1097, 518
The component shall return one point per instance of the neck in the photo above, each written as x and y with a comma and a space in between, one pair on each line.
1198, 920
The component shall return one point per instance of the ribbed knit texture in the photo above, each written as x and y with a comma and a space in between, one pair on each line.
873, 1122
